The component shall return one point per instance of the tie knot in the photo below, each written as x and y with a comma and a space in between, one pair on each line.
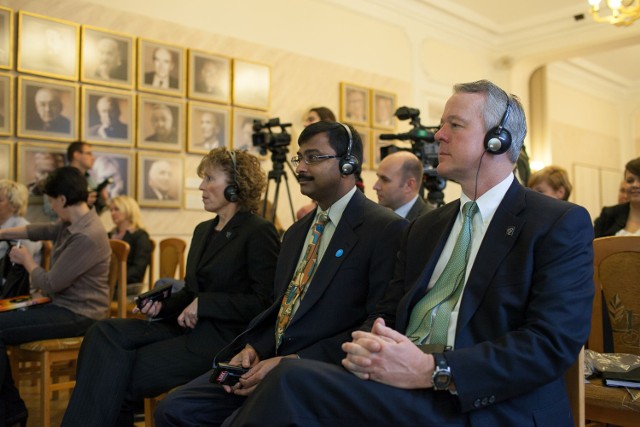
323, 218
469, 209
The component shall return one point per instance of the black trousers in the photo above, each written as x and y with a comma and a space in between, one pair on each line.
123, 361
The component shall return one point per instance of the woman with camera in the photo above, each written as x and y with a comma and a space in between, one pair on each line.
229, 280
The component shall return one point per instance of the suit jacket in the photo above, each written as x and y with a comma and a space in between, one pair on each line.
348, 283
148, 79
232, 277
60, 124
418, 208
611, 220
151, 195
525, 311
139, 254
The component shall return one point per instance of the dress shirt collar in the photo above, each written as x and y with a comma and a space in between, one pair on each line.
403, 210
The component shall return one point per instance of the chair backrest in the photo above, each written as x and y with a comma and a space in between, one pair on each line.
172, 257
118, 274
151, 270
616, 275
574, 381
45, 261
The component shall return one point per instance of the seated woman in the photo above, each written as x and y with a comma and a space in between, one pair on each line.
77, 281
552, 181
623, 219
229, 280
14, 198
125, 214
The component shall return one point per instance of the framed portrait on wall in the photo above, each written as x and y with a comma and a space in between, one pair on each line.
36, 161
209, 77
383, 108
209, 127
48, 46
192, 194
47, 109
116, 165
6, 104
6, 38
365, 136
108, 57
378, 145
6, 160
161, 123
243, 129
354, 104
251, 84
160, 180
108, 116
161, 68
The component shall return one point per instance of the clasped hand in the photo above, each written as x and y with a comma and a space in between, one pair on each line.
387, 356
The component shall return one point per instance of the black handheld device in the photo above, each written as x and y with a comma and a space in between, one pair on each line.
159, 293
226, 374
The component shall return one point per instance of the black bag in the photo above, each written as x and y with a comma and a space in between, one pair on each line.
14, 279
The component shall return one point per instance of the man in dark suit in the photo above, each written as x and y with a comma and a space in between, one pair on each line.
49, 116
355, 262
163, 66
518, 323
399, 181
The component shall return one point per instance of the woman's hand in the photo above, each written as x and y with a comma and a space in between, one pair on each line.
20, 255
189, 316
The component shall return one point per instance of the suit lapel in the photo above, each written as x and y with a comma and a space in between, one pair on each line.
221, 239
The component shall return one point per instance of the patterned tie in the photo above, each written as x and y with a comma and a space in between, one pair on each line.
430, 316
304, 272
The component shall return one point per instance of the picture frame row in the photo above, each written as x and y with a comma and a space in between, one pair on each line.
65, 112
362, 106
66, 50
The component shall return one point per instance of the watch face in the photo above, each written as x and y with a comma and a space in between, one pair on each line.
441, 380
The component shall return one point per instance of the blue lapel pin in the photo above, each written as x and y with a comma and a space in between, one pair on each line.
339, 253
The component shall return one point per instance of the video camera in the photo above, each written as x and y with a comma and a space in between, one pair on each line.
264, 137
423, 145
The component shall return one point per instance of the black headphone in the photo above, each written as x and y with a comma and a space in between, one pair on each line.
348, 163
231, 190
498, 139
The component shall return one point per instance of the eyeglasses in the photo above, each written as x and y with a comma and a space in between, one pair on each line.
311, 159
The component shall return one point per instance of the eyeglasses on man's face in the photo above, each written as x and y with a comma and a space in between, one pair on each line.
311, 159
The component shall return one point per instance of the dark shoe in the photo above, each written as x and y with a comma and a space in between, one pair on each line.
17, 419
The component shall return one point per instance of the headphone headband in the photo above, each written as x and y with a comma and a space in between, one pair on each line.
348, 163
231, 190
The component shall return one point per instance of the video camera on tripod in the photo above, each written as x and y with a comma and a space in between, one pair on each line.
423, 145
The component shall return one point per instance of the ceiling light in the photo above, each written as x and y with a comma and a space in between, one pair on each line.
620, 13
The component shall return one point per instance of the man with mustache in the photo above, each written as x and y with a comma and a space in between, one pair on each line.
355, 250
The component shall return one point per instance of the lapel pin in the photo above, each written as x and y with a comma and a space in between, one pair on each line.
510, 230
228, 235
339, 253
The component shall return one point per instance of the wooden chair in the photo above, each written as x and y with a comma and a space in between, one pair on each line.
45, 261
47, 354
130, 305
172, 257
616, 273
574, 381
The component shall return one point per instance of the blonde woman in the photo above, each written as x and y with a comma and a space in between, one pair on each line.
13, 207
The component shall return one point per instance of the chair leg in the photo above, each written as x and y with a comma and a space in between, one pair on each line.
149, 407
45, 388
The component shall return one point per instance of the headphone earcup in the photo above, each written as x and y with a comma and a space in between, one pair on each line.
348, 165
231, 193
497, 141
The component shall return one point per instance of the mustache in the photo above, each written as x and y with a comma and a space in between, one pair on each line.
303, 177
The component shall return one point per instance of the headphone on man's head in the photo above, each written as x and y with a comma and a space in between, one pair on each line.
231, 190
498, 139
348, 163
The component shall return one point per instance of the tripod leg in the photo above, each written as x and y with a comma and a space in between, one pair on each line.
286, 179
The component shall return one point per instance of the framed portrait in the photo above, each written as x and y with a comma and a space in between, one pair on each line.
161, 122
161, 68
36, 161
354, 104
243, 129
116, 165
192, 195
383, 109
160, 180
378, 146
47, 109
251, 84
6, 104
48, 46
209, 127
365, 136
108, 116
6, 38
108, 57
6, 160
209, 77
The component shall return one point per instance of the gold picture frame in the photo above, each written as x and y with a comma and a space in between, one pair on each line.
48, 46
161, 123
47, 109
6, 38
354, 104
108, 57
209, 127
161, 68
108, 116
365, 137
243, 130
36, 160
6, 104
7, 160
251, 84
209, 77
383, 108
160, 180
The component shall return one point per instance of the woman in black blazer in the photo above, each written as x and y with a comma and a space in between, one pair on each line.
229, 280
623, 219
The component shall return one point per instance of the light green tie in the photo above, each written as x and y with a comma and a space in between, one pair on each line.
430, 316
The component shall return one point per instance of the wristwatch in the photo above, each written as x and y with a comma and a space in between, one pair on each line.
442, 373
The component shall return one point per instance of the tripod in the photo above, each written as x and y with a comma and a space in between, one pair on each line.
278, 159
434, 185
